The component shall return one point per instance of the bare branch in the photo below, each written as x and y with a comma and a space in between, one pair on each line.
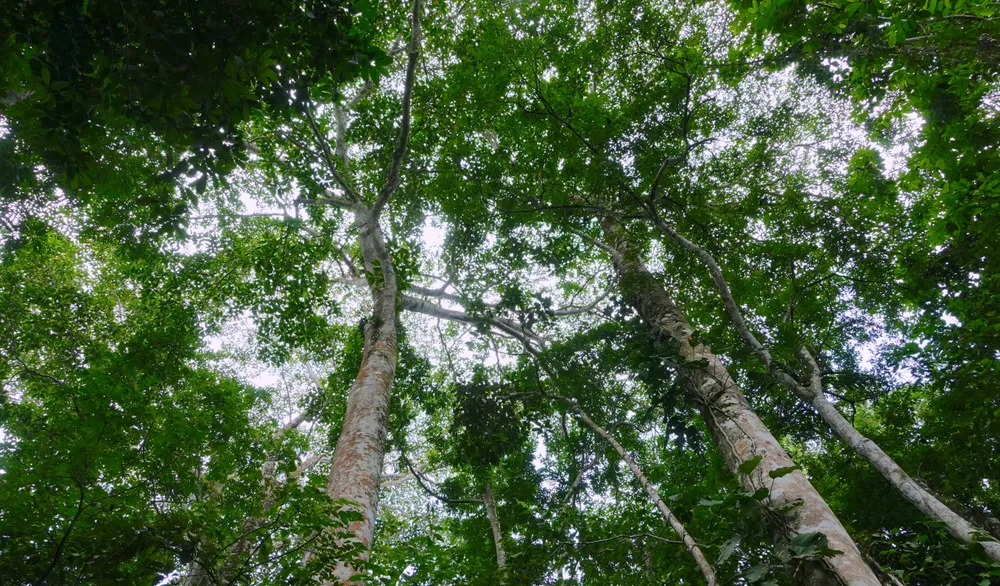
331, 165
325, 201
392, 177
626, 538
510, 327
689, 543
576, 483
308, 463
420, 480
365, 89
568, 311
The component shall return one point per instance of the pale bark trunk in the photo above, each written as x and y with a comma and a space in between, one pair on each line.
737, 431
812, 394
654, 496
356, 466
982, 519
491, 513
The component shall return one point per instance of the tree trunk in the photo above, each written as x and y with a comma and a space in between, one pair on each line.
491, 513
356, 467
954, 523
737, 431
812, 394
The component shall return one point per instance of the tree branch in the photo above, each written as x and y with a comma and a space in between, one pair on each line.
444, 499
392, 177
331, 165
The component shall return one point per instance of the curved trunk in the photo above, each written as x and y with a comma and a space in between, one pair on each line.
737, 431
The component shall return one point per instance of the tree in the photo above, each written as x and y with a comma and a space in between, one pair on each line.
496, 272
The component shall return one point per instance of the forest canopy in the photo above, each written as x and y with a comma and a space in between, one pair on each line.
474, 292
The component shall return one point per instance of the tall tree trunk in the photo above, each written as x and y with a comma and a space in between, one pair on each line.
737, 431
356, 467
812, 394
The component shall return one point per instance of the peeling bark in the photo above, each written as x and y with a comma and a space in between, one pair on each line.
737, 431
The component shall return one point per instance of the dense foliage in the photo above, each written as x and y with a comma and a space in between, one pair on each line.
210, 213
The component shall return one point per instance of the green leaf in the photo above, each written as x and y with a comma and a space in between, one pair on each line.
729, 548
750, 465
757, 573
782, 471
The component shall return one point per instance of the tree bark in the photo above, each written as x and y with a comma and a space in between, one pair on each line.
356, 467
491, 513
955, 524
740, 435
812, 394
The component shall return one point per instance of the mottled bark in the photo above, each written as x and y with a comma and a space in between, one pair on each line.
737, 431
356, 466
812, 394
